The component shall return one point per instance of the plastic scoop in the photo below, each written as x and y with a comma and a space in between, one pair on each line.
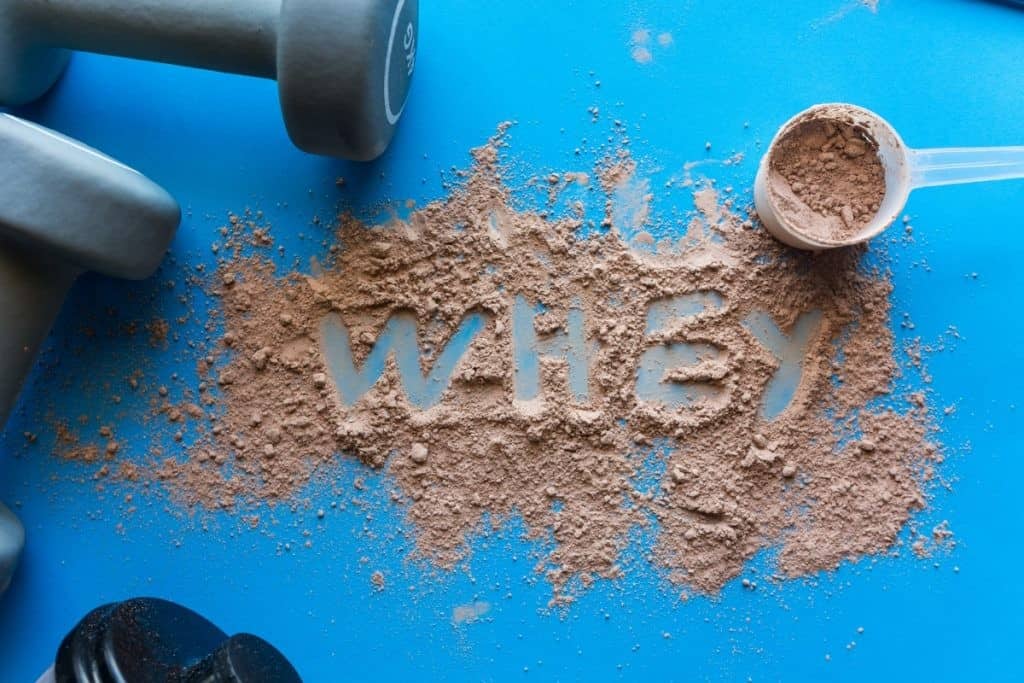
906, 169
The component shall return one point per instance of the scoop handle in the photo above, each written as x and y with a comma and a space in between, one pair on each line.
956, 165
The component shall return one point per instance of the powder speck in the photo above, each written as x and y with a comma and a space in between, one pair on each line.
467, 614
158, 330
641, 55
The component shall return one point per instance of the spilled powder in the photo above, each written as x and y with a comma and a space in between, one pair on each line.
641, 55
825, 175
640, 52
467, 614
833, 477
641, 43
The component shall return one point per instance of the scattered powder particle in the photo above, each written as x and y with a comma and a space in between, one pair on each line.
628, 205
641, 38
468, 444
846, 9
826, 176
377, 579
706, 201
418, 453
735, 159
641, 55
69, 447
467, 614
158, 330
87, 453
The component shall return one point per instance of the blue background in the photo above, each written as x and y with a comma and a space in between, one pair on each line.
943, 72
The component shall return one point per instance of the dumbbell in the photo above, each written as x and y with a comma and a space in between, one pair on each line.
12, 540
343, 66
145, 640
64, 209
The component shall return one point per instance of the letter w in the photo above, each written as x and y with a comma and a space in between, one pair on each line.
398, 337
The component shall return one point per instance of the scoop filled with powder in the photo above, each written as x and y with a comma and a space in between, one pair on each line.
837, 175
822, 178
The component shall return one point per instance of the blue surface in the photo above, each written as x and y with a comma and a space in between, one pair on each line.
943, 72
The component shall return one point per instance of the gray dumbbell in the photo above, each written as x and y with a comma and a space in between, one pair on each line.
343, 66
64, 209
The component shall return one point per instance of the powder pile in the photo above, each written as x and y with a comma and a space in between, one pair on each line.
834, 476
826, 176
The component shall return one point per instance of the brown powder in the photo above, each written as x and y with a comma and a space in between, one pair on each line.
827, 177
828, 479
640, 44
158, 330
467, 614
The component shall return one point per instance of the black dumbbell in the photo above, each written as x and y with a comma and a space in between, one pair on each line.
64, 209
146, 640
343, 66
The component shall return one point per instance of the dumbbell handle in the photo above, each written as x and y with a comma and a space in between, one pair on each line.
234, 36
31, 295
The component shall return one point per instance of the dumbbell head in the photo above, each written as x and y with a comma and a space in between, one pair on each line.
66, 203
28, 67
344, 69
149, 639
64, 209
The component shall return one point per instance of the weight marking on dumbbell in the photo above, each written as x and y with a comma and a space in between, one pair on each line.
409, 48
